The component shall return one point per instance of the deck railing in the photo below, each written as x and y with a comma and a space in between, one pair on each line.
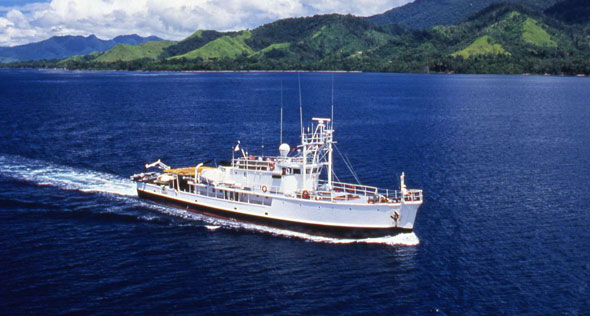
397, 196
348, 190
352, 188
393, 195
253, 164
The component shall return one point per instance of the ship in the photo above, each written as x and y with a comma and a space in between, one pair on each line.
295, 190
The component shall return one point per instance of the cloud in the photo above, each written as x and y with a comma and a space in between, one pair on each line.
170, 19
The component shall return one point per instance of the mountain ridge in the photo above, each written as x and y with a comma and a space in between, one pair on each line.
58, 47
425, 14
571, 11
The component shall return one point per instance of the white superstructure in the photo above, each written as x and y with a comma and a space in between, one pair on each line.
286, 190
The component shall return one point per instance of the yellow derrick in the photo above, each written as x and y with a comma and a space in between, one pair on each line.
188, 171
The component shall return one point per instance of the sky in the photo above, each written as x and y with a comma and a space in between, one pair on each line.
26, 21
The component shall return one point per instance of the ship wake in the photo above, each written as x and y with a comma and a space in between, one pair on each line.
68, 178
63, 177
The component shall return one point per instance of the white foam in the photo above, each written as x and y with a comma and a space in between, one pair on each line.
149, 217
402, 239
67, 178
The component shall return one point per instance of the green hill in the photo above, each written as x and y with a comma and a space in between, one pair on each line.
79, 59
124, 52
227, 46
292, 40
511, 29
196, 40
340, 39
535, 34
315, 39
481, 46
119, 53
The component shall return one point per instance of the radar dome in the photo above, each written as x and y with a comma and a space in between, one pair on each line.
284, 149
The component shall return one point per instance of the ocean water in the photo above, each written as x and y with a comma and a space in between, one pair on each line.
504, 162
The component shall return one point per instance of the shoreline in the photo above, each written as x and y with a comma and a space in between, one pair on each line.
295, 71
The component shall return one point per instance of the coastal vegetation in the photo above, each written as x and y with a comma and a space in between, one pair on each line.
502, 38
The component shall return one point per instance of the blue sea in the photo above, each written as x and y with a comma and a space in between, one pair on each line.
504, 162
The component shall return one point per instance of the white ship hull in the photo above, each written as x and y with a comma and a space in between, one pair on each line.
318, 217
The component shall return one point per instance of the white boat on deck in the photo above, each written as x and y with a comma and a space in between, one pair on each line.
286, 191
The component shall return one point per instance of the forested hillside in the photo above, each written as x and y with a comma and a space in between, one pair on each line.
425, 14
502, 38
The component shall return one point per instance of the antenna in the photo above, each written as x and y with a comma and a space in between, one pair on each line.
281, 137
262, 146
332, 110
330, 150
300, 107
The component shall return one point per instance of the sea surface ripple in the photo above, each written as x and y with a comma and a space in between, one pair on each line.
504, 162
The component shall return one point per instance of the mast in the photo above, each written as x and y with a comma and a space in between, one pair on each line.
281, 137
300, 109
332, 109
304, 152
330, 133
